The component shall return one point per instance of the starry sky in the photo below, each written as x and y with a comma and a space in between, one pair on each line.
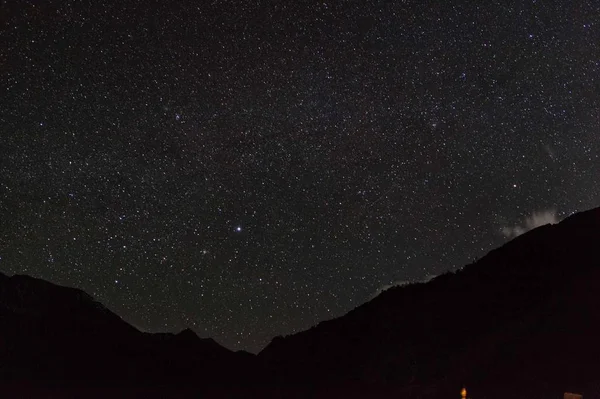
250, 168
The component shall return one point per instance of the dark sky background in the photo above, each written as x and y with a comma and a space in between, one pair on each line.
249, 168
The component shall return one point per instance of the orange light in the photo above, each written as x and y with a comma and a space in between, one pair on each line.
463, 393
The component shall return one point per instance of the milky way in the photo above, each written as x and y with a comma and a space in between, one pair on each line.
248, 170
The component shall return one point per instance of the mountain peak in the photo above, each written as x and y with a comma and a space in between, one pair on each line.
187, 333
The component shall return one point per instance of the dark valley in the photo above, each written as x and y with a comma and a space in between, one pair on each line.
522, 321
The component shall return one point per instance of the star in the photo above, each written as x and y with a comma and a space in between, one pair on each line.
384, 153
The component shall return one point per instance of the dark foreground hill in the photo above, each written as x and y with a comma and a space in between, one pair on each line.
57, 341
523, 322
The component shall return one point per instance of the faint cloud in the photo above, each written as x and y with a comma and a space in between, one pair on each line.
550, 152
536, 219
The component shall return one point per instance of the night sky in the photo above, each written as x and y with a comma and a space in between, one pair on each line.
249, 168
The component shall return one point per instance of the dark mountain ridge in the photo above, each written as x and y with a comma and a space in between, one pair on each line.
61, 338
522, 321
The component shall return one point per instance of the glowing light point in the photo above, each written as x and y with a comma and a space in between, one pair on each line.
463, 393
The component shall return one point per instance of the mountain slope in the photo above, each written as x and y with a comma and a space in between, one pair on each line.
521, 319
64, 341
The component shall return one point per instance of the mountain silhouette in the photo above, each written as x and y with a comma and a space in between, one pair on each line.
522, 321
57, 340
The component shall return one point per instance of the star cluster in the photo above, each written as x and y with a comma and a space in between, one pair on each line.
248, 169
